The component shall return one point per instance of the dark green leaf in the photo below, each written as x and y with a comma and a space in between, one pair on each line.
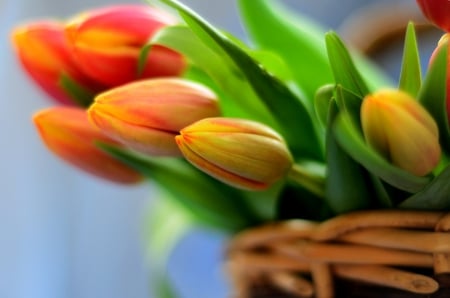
351, 140
433, 95
347, 186
435, 196
410, 76
343, 67
292, 117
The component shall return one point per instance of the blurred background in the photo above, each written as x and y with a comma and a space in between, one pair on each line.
64, 234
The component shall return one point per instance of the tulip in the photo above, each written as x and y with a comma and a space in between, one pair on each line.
437, 11
147, 115
107, 43
46, 56
67, 133
241, 153
401, 130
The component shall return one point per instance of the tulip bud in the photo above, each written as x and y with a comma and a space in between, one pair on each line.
401, 130
45, 55
67, 132
437, 11
242, 153
147, 115
107, 44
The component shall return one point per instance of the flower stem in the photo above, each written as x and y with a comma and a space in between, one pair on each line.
310, 180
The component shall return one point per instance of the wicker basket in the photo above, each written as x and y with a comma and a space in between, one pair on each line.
361, 254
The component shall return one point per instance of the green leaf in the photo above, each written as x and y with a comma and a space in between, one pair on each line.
212, 202
324, 96
292, 117
293, 37
410, 75
343, 67
166, 224
80, 95
350, 103
237, 97
351, 140
433, 95
435, 196
347, 186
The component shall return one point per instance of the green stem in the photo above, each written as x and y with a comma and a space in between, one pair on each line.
310, 180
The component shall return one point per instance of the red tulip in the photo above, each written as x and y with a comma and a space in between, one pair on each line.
437, 11
107, 43
67, 132
46, 56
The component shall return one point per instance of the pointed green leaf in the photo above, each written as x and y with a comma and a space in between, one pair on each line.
343, 67
435, 196
322, 100
350, 103
347, 186
433, 95
292, 117
351, 140
410, 75
272, 27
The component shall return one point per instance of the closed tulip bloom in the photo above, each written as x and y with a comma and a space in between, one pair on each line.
401, 130
107, 42
45, 55
67, 132
241, 153
437, 11
147, 115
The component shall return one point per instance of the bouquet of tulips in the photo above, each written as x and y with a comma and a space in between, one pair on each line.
296, 125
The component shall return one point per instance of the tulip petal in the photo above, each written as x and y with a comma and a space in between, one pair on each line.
140, 138
254, 160
401, 130
236, 151
215, 171
68, 134
45, 55
146, 115
107, 44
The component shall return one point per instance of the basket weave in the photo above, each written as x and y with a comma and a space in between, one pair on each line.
361, 254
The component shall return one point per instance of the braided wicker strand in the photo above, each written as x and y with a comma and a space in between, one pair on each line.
389, 252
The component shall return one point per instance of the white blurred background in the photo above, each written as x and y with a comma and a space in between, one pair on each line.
64, 234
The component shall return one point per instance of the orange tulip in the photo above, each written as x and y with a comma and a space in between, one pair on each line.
67, 132
46, 56
401, 130
147, 115
242, 153
107, 43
